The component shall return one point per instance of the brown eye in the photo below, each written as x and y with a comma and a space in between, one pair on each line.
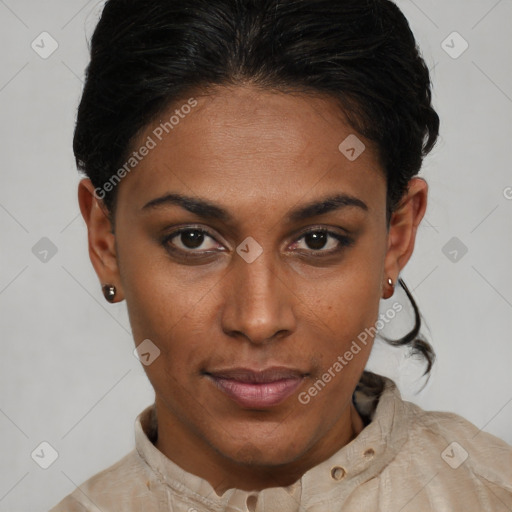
316, 240
192, 240
324, 242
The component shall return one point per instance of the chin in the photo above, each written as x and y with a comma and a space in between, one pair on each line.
268, 452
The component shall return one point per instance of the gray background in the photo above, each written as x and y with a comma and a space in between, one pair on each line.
67, 372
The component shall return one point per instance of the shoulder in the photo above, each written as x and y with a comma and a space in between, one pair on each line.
483, 452
454, 449
70, 504
114, 486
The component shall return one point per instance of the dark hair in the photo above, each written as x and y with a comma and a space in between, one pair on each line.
148, 54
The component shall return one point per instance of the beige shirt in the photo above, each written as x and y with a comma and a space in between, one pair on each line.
405, 460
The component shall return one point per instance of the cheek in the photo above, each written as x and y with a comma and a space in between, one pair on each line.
345, 309
364, 280
173, 321
161, 297
349, 298
176, 315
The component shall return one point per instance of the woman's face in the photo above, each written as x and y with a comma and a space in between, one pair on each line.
258, 277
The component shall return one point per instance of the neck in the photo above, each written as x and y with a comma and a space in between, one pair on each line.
198, 456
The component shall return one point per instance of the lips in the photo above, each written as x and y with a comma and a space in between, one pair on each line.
257, 388
258, 376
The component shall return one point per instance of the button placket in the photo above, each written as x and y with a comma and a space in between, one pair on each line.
251, 503
369, 453
338, 473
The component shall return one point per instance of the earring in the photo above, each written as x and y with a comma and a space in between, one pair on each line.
390, 283
109, 291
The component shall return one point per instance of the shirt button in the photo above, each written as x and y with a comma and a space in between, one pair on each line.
252, 500
369, 453
338, 473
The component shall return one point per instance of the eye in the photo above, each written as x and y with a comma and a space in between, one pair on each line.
194, 241
323, 241
189, 240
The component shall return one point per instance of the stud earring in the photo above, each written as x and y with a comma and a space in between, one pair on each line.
109, 291
389, 283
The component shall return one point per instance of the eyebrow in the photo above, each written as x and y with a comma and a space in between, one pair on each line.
208, 210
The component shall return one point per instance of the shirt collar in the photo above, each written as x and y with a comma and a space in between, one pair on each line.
330, 481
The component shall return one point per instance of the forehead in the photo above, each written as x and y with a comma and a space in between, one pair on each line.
259, 144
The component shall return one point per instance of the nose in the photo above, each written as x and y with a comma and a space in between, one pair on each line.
258, 301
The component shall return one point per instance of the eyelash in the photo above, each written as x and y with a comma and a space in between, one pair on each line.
343, 240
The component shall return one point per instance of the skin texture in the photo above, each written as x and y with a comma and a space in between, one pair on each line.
258, 154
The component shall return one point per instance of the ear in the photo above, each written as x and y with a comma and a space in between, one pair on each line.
403, 226
101, 237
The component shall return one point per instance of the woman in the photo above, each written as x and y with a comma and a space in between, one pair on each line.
252, 194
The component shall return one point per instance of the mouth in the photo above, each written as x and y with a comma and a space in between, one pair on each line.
256, 389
